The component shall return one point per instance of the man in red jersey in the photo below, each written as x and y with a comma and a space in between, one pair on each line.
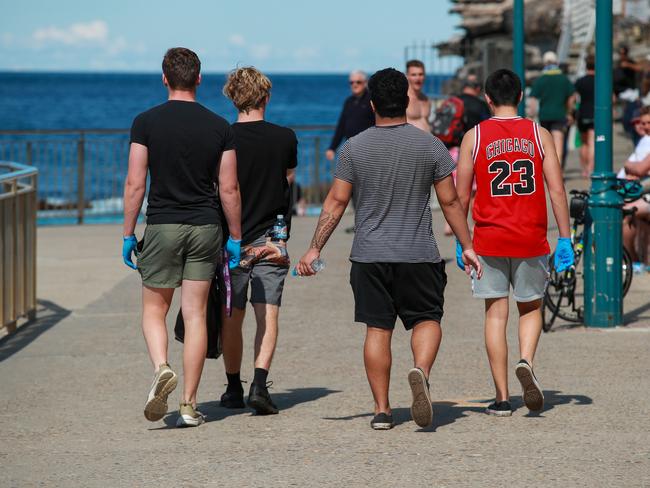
511, 158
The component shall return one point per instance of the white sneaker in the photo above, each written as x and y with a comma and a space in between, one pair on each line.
164, 382
189, 416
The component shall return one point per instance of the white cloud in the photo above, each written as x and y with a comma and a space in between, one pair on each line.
261, 51
116, 46
7, 39
237, 40
305, 53
95, 32
352, 52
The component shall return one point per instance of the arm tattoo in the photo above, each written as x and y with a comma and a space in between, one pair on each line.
326, 225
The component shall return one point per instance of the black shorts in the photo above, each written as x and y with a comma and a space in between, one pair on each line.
412, 291
551, 125
585, 124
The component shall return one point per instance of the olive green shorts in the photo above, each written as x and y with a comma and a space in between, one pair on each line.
171, 253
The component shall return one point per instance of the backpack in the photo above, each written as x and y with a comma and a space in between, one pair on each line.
449, 125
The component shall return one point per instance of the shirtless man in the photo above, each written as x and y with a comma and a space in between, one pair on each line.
419, 106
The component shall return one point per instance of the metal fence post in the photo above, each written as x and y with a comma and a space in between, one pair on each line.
518, 51
317, 169
603, 246
81, 173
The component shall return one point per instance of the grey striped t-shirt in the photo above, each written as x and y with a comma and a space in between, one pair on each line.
392, 169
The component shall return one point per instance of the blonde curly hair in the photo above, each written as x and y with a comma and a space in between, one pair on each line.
248, 88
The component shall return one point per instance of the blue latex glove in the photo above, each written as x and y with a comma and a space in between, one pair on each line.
459, 256
233, 248
564, 257
128, 248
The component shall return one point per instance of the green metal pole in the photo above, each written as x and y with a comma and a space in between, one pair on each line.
518, 45
603, 242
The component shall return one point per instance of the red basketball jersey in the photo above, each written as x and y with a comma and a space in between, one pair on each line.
510, 205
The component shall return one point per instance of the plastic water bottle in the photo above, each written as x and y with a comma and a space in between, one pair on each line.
280, 231
316, 266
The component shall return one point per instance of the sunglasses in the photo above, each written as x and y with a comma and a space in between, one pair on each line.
356, 82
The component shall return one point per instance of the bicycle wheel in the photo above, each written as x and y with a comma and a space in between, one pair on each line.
627, 271
561, 293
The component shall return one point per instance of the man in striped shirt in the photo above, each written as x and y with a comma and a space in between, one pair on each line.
396, 266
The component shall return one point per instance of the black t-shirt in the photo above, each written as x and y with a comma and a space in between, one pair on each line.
475, 111
265, 152
185, 142
624, 78
585, 87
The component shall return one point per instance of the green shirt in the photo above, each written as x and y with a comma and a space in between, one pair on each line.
552, 89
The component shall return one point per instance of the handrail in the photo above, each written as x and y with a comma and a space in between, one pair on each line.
82, 170
18, 170
26, 132
18, 185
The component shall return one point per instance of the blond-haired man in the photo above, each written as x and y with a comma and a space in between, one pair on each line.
267, 157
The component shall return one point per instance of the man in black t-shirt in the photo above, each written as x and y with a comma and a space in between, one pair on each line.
356, 116
475, 110
267, 157
186, 149
585, 87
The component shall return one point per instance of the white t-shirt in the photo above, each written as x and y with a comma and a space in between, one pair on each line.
641, 150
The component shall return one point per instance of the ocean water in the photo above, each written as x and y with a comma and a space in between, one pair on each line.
72, 101
94, 101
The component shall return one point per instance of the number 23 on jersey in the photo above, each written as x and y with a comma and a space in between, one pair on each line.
501, 169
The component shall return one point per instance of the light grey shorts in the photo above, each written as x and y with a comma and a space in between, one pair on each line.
528, 277
266, 281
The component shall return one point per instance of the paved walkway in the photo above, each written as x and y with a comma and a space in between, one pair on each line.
73, 387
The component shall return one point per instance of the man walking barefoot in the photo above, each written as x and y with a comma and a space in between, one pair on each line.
396, 266
419, 105
184, 147
266, 162
511, 158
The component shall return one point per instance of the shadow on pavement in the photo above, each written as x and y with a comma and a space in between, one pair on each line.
552, 399
448, 412
48, 314
636, 314
285, 401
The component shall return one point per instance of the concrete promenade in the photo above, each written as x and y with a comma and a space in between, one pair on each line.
74, 383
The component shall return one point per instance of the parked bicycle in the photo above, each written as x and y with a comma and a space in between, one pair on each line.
564, 296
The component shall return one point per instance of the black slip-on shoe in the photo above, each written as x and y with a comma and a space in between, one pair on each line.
531, 390
382, 421
499, 409
233, 399
421, 409
259, 400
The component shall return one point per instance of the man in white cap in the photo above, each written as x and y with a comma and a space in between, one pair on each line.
555, 95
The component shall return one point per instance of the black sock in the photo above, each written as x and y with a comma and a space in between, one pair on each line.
260, 377
234, 381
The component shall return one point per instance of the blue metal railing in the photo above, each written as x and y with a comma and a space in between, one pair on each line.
82, 172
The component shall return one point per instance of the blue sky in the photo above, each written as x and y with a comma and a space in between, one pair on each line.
276, 36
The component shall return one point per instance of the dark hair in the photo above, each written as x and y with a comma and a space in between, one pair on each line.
590, 62
181, 68
414, 63
504, 88
389, 92
624, 48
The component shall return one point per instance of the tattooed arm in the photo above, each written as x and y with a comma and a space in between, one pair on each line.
333, 208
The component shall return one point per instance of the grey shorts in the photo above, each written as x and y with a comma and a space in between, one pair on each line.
528, 277
266, 281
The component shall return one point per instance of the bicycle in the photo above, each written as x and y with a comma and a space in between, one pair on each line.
564, 297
